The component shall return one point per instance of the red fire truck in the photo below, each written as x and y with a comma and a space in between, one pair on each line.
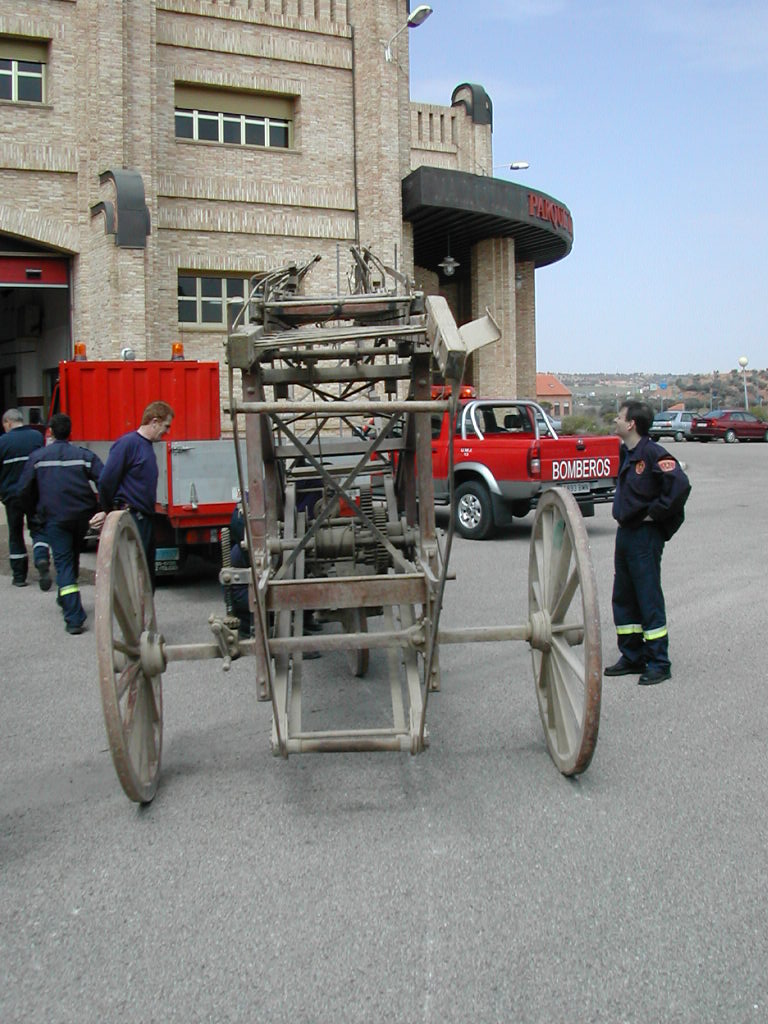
197, 485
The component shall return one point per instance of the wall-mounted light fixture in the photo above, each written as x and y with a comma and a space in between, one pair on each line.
448, 264
518, 280
417, 16
516, 165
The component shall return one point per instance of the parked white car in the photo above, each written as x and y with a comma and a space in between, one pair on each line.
673, 423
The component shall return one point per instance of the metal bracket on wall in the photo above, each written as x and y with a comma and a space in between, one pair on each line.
132, 223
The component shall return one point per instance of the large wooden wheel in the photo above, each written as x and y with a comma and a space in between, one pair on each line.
355, 620
565, 622
126, 644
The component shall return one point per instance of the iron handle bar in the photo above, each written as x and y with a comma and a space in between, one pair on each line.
414, 636
335, 408
282, 645
325, 350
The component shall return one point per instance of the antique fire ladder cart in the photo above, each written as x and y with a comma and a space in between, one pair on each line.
340, 527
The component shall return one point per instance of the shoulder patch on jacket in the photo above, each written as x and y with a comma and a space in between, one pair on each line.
666, 465
639, 467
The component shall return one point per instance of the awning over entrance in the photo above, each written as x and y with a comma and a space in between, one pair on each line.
459, 209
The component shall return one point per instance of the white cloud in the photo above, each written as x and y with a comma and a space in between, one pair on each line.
503, 10
717, 34
524, 10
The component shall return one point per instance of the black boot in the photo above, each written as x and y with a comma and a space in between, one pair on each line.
44, 569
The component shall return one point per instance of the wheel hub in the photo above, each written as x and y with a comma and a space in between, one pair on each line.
152, 655
541, 630
470, 512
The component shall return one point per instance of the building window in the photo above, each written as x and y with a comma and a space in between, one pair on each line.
205, 298
237, 118
22, 69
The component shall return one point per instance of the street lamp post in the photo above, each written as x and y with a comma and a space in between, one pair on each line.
743, 364
417, 17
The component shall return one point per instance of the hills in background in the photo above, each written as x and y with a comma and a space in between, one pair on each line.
697, 391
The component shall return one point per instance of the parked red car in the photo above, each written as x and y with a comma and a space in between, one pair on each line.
729, 424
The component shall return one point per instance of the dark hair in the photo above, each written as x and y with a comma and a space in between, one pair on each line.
641, 413
156, 411
61, 426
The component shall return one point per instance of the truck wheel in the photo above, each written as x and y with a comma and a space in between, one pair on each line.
474, 514
730, 437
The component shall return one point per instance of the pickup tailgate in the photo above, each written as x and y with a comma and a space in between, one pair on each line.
586, 466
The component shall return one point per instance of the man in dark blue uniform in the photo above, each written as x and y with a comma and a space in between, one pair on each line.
130, 475
651, 492
59, 482
16, 445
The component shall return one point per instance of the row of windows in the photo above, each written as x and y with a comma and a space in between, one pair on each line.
21, 80
205, 300
202, 113
240, 129
24, 81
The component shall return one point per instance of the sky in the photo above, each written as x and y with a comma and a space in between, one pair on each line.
649, 121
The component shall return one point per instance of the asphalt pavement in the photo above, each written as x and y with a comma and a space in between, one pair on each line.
470, 883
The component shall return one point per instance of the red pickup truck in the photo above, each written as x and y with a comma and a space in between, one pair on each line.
506, 453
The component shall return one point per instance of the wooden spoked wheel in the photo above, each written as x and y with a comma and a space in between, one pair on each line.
126, 631
565, 623
355, 620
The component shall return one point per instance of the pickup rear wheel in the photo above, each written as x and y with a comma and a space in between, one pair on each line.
474, 512
565, 631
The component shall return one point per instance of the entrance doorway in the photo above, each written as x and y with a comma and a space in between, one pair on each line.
35, 324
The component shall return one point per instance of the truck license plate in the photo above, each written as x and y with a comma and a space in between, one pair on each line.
578, 488
166, 561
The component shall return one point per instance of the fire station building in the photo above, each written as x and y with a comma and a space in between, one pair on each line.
155, 154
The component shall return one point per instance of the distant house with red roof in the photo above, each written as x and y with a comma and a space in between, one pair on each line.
553, 393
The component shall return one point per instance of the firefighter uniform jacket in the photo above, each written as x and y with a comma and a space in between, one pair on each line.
651, 484
59, 482
130, 475
15, 448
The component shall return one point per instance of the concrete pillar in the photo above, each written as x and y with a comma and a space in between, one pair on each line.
525, 329
382, 126
495, 369
116, 68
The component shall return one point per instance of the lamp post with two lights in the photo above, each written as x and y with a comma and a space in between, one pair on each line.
743, 364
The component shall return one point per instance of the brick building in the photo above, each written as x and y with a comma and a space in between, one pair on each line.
156, 153
553, 394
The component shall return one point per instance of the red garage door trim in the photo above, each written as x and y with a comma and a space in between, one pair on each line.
34, 271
